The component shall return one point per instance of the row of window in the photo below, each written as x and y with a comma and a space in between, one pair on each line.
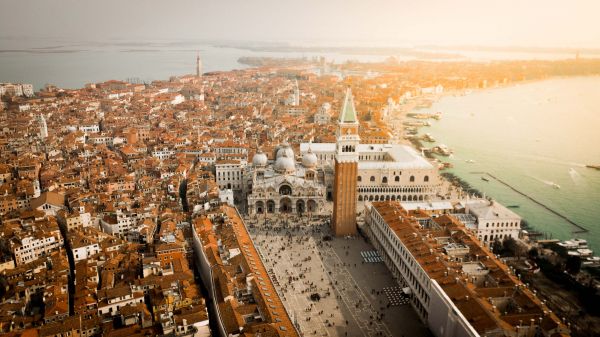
403, 260
392, 198
384, 180
501, 224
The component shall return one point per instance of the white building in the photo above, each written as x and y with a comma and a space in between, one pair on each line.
84, 248
323, 114
35, 244
89, 128
163, 153
12, 89
110, 300
43, 126
101, 139
120, 223
494, 221
229, 174
387, 172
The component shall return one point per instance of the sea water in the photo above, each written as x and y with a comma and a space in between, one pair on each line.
531, 136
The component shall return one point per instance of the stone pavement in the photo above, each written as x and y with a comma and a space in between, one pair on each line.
348, 299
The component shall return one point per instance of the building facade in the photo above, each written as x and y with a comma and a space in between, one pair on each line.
284, 185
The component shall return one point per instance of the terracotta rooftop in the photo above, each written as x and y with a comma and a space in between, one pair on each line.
481, 299
241, 255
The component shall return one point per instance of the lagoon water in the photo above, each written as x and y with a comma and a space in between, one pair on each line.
530, 136
70, 65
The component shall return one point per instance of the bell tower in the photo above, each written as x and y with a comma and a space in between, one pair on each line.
346, 170
198, 66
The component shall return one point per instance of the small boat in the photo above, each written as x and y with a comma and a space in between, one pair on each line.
555, 186
597, 167
484, 179
513, 206
470, 161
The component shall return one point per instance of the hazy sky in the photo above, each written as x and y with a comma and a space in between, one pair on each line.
560, 23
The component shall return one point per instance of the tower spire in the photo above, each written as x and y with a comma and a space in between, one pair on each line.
198, 66
348, 112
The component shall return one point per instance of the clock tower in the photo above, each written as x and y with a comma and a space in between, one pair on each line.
346, 170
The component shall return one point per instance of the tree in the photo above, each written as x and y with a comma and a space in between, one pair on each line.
497, 247
573, 265
533, 253
510, 246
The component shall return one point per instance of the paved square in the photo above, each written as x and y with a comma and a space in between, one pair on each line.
327, 285
395, 296
371, 256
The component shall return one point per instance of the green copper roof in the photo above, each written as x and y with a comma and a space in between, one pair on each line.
348, 114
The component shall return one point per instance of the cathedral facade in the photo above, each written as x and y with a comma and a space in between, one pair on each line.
284, 185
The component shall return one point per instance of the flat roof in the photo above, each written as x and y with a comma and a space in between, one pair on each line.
400, 156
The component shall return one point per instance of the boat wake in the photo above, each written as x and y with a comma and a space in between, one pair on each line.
548, 182
575, 176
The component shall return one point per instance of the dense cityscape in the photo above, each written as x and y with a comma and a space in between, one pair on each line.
255, 203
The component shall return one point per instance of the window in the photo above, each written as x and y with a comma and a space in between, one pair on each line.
372, 178
412, 179
384, 180
397, 179
426, 179
359, 178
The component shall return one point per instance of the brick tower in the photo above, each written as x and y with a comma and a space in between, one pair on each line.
346, 170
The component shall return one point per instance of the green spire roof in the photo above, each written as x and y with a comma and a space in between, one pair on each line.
348, 114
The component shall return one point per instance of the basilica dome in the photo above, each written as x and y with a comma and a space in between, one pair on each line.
285, 164
286, 149
259, 159
309, 159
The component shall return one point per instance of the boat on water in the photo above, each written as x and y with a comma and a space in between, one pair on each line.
428, 138
445, 165
513, 206
469, 161
555, 186
484, 179
442, 150
597, 167
580, 248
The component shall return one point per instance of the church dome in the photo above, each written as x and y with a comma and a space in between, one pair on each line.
309, 159
286, 149
285, 164
259, 159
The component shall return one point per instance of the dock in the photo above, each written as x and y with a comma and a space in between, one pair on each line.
579, 228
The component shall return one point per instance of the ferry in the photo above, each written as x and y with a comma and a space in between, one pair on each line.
442, 150
428, 138
579, 247
415, 115
445, 165
597, 167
